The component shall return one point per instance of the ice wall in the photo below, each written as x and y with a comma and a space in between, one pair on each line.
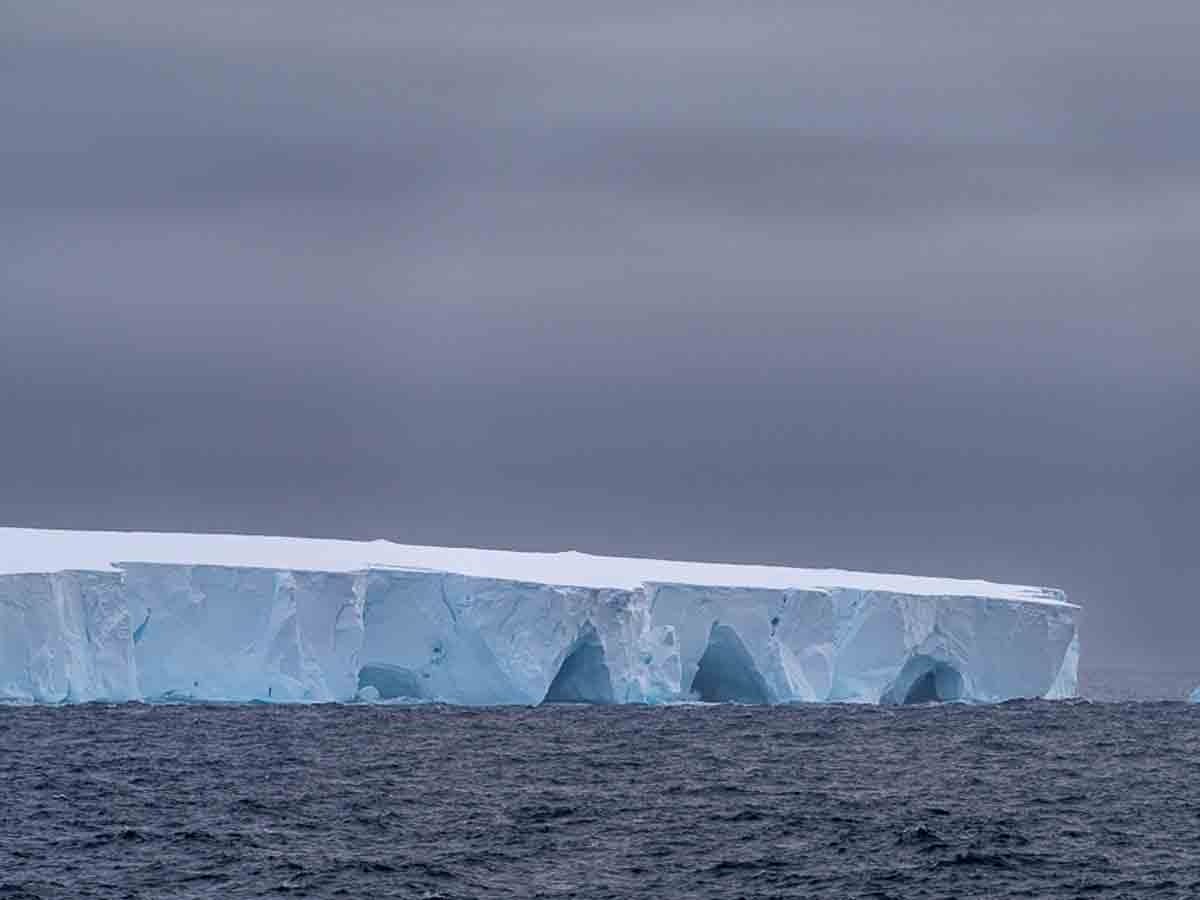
65, 636
234, 633
480, 640
214, 631
871, 646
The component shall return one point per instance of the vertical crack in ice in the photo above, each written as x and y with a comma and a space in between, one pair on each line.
140, 631
446, 601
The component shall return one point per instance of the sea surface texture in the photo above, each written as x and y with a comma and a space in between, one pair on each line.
1026, 799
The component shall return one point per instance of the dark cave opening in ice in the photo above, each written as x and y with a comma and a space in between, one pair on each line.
727, 673
583, 676
391, 682
925, 680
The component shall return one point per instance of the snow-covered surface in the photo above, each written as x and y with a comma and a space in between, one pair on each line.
115, 616
26, 550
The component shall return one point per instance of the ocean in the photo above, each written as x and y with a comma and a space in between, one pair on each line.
1074, 799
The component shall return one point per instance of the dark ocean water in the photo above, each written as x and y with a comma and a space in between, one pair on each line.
1026, 799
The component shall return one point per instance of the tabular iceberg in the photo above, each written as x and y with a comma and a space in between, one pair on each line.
124, 616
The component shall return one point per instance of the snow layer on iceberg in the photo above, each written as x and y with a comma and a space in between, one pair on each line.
25, 550
124, 615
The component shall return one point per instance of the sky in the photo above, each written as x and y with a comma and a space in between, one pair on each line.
895, 287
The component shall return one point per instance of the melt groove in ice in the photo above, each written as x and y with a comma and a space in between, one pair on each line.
117, 616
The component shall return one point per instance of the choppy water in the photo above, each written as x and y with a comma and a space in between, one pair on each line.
1028, 799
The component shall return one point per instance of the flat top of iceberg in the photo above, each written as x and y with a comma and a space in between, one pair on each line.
29, 550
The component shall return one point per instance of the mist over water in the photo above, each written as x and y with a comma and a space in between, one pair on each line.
1116, 684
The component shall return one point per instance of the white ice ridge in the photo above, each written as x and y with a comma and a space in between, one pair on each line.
124, 615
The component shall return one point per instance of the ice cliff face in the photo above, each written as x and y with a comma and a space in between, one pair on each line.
65, 636
175, 616
869, 646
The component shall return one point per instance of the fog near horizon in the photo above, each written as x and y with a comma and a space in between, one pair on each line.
849, 285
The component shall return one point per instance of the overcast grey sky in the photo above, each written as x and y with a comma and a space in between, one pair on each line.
897, 286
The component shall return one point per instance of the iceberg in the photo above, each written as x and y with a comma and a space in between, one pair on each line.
116, 616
